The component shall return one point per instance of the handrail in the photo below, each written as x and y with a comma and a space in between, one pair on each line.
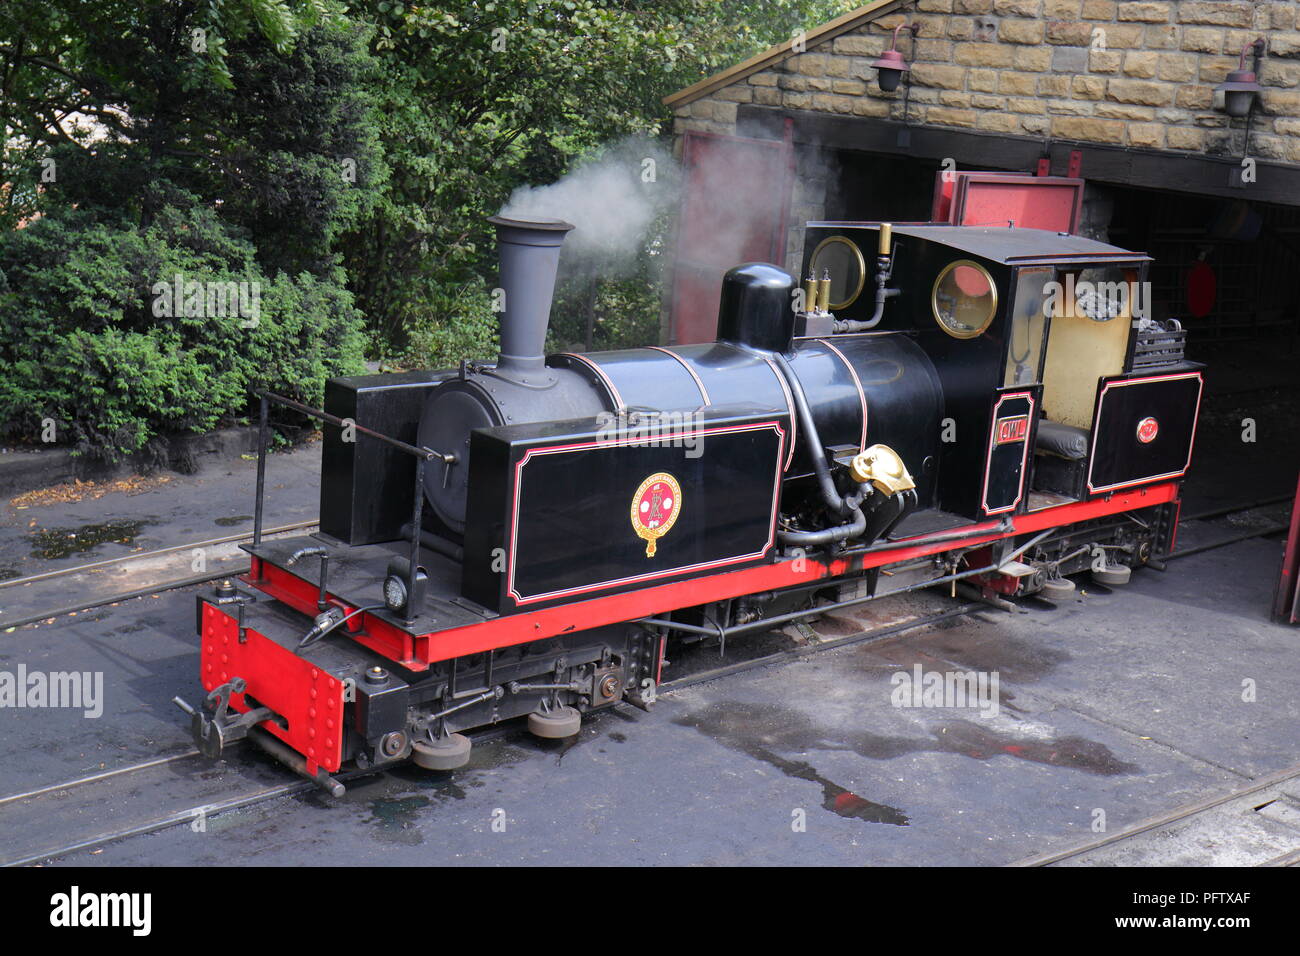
427, 454
420, 453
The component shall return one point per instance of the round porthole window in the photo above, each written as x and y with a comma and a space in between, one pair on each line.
964, 299
842, 259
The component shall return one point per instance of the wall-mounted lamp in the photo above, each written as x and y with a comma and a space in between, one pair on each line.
891, 66
1240, 88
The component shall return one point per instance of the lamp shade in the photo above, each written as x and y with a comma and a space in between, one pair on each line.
890, 68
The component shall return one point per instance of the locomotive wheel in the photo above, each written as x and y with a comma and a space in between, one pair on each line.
559, 723
446, 753
1058, 589
1113, 575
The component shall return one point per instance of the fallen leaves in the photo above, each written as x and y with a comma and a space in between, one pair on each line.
78, 490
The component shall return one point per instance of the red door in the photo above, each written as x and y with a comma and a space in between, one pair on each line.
735, 202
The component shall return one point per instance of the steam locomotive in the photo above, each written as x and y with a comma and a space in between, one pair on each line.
520, 538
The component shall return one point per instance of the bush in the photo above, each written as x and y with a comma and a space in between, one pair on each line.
90, 338
452, 323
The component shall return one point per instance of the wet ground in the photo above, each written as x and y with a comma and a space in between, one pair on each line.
1112, 707
1120, 704
167, 509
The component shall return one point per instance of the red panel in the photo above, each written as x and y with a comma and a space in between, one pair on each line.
945, 184
310, 700
1286, 605
994, 198
1202, 287
510, 629
734, 207
1031, 202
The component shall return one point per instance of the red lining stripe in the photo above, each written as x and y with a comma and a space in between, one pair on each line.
1190, 445
857, 383
699, 382
601, 585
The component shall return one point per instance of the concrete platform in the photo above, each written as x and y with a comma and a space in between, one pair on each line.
1127, 703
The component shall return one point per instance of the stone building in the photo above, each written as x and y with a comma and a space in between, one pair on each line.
1127, 88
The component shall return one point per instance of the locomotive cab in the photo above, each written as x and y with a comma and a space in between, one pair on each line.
1059, 384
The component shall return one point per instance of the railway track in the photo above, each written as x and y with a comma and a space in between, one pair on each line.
171, 585
1260, 821
190, 789
62, 576
107, 800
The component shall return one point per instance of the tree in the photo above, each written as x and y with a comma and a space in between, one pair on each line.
480, 97
217, 142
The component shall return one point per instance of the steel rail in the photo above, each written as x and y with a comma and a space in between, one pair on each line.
798, 653
787, 656
1162, 820
69, 784
157, 588
141, 555
124, 596
489, 735
188, 815
1235, 539
1232, 509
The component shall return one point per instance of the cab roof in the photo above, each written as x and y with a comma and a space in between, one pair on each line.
1009, 245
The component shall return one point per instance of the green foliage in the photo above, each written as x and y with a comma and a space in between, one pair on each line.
239, 159
453, 325
477, 98
83, 345
332, 154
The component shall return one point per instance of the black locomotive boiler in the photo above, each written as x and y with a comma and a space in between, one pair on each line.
519, 538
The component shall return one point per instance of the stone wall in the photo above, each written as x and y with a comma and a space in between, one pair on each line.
1137, 74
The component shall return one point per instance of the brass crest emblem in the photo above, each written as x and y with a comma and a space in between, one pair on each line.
655, 507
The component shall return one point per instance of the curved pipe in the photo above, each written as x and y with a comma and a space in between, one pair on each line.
304, 552
815, 539
816, 451
884, 271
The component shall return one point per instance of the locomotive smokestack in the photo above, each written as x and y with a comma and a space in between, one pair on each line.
530, 257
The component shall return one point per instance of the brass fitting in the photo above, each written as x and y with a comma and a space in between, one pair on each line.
886, 238
810, 292
882, 467
824, 291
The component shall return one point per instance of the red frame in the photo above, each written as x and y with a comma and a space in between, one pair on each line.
310, 699
417, 651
